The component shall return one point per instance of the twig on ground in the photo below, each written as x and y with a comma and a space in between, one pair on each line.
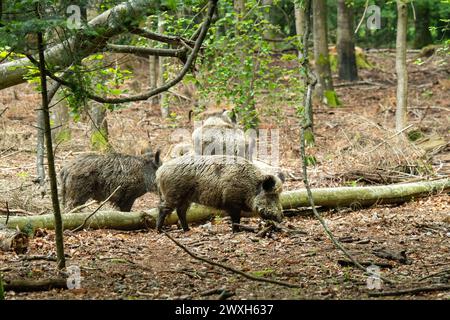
390, 137
439, 273
348, 263
81, 207
3, 111
38, 257
244, 274
95, 211
15, 211
7, 213
244, 227
408, 291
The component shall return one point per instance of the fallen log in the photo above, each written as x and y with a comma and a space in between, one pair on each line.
28, 285
13, 240
327, 197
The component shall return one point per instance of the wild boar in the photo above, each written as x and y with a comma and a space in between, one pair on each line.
97, 176
229, 183
219, 135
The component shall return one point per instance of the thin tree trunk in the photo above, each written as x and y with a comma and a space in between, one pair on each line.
324, 88
153, 66
163, 96
239, 6
40, 152
50, 157
99, 127
400, 66
303, 28
326, 197
345, 43
422, 35
299, 21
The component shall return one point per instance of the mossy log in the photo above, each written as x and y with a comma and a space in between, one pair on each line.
326, 197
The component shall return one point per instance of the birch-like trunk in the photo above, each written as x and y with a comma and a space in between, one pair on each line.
153, 66
400, 66
163, 103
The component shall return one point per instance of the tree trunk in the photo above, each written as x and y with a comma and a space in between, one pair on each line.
239, 6
327, 197
50, 157
400, 66
99, 127
13, 240
60, 117
324, 88
345, 43
303, 27
162, 70
153, 66
108, 24
40, 152
422, 35
299, 20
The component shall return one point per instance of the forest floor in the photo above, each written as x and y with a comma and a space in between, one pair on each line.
355, 145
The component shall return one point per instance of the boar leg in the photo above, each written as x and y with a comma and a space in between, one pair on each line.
235, 215
163, 212
126, 205
181, 212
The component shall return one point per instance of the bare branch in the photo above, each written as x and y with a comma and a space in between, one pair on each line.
95, 211
144, 96
160, 37
142, 51
244, 274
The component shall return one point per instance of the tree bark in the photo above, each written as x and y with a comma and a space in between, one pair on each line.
13, 240
299, 20
50, 157
327, 197
40, 152
153, 67
162, 70
400, 66
345, 43
422, 35
324, 89
99, 127
108, 24
304, 31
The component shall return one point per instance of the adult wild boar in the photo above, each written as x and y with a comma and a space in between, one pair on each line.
219, 135
97, 176
229, 183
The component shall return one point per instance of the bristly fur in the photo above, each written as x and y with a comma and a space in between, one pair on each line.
229, 183
97, 176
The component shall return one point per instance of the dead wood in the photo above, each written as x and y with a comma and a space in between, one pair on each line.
399, 256
241, 273
326, 197
348, 263
28, 285
13, 240
408, 291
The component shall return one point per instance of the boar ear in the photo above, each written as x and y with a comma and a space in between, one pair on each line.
281, 176
269, 183
157, 157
